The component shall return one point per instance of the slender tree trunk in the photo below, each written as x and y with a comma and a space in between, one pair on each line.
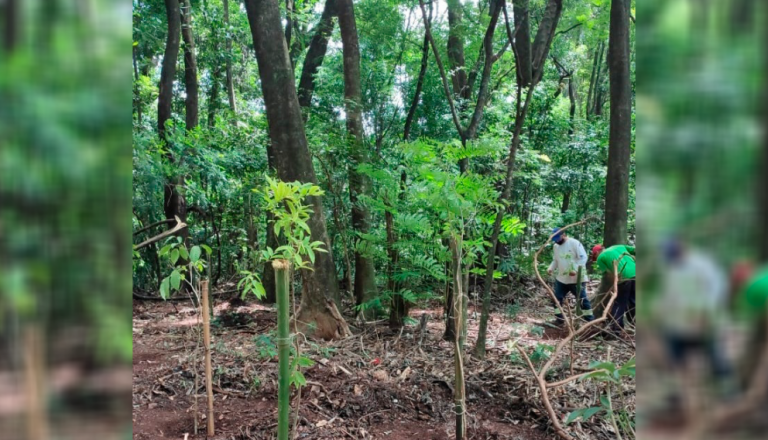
523, 43
419, 84
399, 307
456, 63
544, 36
479, 349
598, 99
213, 98
228, 37
359, 184
136, 94
190, 67
541, 46
588, 107
315, 54
483, 92
617, 180
174, 203
318, 314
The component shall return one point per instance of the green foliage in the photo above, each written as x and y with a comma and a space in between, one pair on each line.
285, 201
537, 331
541, 353
512, 311
265, 344
174, 250
609, 373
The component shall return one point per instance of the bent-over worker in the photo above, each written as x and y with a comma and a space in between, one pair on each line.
569, 256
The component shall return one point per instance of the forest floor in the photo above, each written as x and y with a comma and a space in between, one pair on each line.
379, 383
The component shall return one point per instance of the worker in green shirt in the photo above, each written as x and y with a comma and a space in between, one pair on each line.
625, 299
751, 307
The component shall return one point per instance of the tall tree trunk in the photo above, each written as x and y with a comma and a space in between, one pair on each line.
456, 49
456, 63
544, 36
174, 203
315, 54
168, 71
190, 67
523, 43
359, 184
228, 37
318, 314
617, 180
11, 21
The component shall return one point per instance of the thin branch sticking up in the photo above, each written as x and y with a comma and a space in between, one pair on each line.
161, 222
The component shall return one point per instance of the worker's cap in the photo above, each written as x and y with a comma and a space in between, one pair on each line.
672, 249
557, 236
597, 249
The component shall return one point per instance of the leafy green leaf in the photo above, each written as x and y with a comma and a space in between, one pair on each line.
164, 250
574, 415
174, 256
175, 279
183, 253
298, 378
194, 253
306, 362
589, 412
207, 249
259, 291
164, 288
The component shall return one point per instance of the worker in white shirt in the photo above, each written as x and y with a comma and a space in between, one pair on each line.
569, 256
690, 309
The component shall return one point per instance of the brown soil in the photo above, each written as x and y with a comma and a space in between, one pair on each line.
376, 384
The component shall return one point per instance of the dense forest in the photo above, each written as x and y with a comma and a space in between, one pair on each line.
402, 157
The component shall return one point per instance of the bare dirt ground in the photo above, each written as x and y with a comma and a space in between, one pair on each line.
376, 384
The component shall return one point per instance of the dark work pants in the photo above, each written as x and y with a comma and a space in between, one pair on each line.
624, 303
562, 290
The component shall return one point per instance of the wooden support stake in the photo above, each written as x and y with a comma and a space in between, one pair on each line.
207, 345
37, 417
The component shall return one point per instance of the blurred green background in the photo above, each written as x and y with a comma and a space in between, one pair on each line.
65, 187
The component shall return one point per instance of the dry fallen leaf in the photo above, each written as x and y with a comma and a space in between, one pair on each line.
358, 390
380, 375
321, 423
404, 374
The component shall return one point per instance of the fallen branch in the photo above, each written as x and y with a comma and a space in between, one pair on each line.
179, 226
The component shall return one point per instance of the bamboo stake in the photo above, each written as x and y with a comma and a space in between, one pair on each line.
207, 346
282, 276
37, 427
459, 391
